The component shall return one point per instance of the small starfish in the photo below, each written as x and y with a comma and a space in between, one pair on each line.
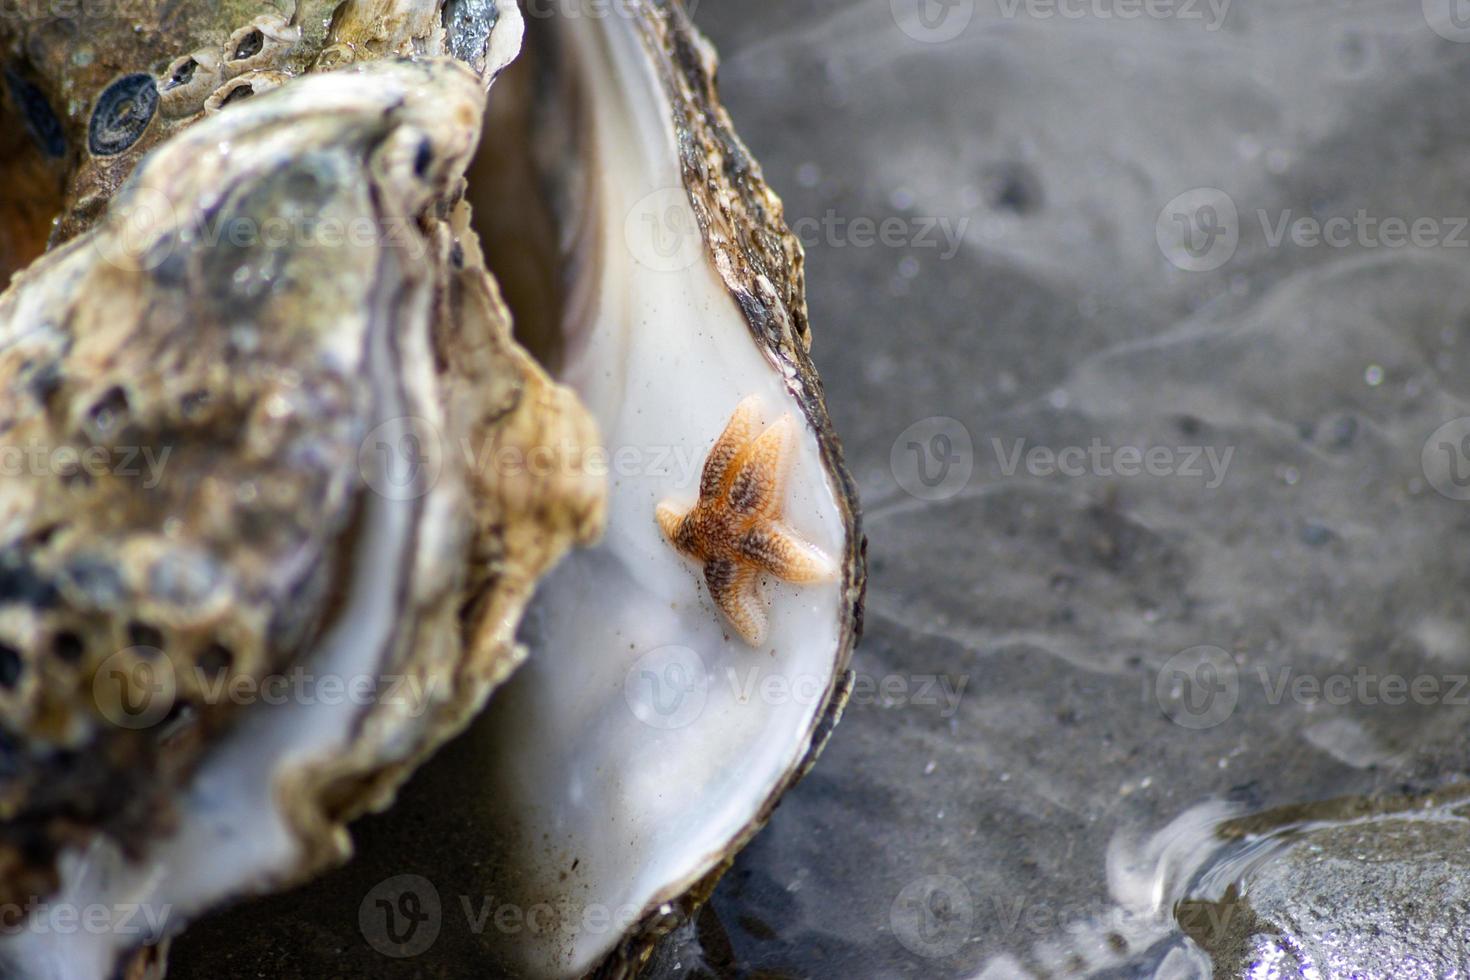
735, 531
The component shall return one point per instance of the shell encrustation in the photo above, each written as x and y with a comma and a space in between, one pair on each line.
294, 312
101, 84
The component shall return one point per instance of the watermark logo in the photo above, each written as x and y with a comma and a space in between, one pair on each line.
591, 9
1362, 230
401, 917
75, 14
1445, 459
1099, 459
932, 21
402, 458
143, 922
941, 692
404, 916
1450, 19
145, 464
1199, 230
144, 227
135, 688
833, 230
662, 232
1198, 688
133, 230
667, 688
1209, 13
933, 459
933, 915
1364, 686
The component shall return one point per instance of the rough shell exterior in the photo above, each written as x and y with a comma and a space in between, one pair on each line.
241, 369
103, 83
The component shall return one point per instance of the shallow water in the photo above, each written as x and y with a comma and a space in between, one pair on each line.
1167, 507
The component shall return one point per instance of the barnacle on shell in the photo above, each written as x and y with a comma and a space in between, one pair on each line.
122, 113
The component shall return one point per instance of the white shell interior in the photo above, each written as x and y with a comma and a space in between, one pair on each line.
643, 736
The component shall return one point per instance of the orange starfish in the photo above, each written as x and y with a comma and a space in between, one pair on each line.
735, 528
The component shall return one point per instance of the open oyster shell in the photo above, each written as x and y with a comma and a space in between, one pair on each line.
648, 269
264, 351
616, 798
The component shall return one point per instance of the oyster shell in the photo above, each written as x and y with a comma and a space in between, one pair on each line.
647, 267
140, 614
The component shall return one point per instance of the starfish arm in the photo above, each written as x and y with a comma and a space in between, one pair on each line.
757, 477
738, 432
671, 522
775, 549
735, 589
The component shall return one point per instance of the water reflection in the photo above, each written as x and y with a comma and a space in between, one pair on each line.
1339, 890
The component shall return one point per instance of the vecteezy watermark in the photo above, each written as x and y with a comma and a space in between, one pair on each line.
939, 691
632, 10
404, 457
401, 917
933, 459
1210, 14
1199, 230
1200, 688
1445, 459
669, 688
662, 232
838, 231
404, 916
933, 915
36, 459
135, 688
1362, 686
1362, 230
138, 688
1016, 915
759, 683
932, 21
63, 11
1100, 459
143, 228
1450, 19
60, 918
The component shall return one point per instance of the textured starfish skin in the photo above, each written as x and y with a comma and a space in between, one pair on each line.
734, 530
